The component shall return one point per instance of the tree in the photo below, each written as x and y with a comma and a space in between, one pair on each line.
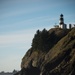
40, 40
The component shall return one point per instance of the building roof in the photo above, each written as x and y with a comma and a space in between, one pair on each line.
61, 15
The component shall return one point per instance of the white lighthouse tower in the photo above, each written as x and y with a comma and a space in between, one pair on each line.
61, 22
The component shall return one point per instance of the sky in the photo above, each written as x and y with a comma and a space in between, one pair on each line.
19, 21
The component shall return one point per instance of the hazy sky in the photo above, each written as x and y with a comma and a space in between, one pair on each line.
19, 20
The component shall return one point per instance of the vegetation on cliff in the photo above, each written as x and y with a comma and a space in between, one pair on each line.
44, 40
41, 40
52, 53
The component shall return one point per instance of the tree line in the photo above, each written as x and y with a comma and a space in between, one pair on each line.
41, 40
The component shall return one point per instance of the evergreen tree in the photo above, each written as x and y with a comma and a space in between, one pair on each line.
40, 40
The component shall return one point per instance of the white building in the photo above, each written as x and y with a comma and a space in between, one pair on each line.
62, 25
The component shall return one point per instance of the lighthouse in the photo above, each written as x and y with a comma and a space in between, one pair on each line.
61, 22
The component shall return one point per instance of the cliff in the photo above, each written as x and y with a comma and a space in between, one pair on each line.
58, 59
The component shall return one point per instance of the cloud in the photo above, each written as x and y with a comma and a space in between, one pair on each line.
10, 62
21, 37
17, 11
29, 22
24, 7
7, 39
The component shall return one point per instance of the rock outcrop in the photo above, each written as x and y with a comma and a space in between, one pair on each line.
58, 60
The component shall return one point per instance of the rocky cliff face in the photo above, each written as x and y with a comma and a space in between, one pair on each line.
58, 60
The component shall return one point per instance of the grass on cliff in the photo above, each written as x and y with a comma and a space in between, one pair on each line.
66, 43
44, 40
